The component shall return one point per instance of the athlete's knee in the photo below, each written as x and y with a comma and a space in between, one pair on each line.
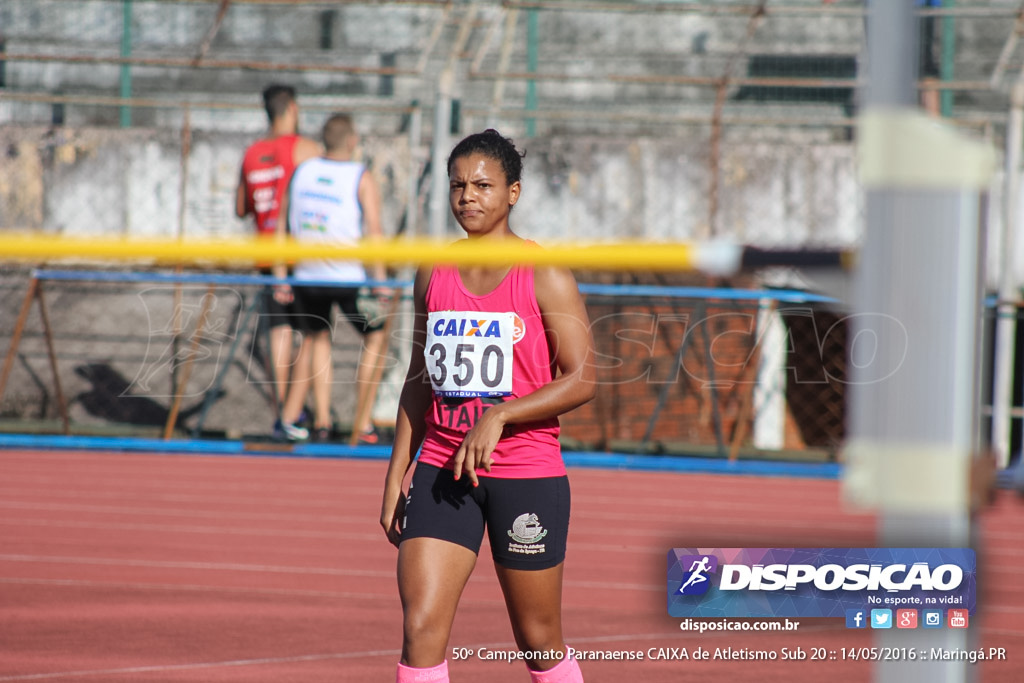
539, 634
421, 626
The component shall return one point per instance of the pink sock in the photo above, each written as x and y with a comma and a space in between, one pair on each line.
434, 674
566, 671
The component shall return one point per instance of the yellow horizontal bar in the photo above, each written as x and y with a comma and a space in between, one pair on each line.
595, 256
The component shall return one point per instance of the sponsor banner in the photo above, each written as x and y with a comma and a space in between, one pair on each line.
818, 582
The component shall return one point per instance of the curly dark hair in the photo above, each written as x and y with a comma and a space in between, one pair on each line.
491, 144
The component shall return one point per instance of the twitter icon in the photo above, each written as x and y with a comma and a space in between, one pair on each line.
881, 618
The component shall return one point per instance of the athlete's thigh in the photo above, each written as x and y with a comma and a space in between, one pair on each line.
441, 535
431, 575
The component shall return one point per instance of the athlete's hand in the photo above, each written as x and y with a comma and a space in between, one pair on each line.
476, 449
283, 294
391, 515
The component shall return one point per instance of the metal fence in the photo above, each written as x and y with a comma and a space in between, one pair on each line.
641, 120
681, 368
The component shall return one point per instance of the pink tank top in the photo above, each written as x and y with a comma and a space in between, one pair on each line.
469, 339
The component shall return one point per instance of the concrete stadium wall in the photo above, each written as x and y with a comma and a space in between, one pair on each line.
114, 182
782, 193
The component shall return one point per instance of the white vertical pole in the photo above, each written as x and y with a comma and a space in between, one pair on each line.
443, 125
770, 390
915, 332
439, 154
412, 207
1006, 320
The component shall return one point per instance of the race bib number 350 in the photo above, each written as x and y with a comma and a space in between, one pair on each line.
470, 353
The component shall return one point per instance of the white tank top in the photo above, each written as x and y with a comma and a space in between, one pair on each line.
324, 207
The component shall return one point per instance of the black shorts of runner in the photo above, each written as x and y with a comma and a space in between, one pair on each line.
276, 314
312, 309
527, 520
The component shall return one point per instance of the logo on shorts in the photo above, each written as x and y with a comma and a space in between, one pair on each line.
527, 533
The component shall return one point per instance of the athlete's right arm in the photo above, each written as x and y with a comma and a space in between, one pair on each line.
410, 425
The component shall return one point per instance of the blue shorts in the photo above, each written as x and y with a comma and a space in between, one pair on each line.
527, 520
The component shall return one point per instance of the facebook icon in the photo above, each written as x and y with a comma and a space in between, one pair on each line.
856, 618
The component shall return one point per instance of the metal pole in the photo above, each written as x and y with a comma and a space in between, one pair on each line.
504, 56
1006, 312
532, 62
892, 38
51, 352
186, 151
442, 129
914, 348
948, 55
769, 393
19, 328
439, 153
416, 161
126, 69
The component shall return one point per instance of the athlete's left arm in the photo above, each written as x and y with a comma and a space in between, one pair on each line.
572, 345
283, 294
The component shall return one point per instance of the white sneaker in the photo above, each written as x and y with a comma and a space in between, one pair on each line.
289, 432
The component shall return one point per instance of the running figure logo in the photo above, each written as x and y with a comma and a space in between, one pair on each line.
696, 581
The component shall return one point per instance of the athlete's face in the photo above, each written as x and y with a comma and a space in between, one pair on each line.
479, 195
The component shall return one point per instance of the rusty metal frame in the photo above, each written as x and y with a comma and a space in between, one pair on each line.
35, 293
211, 33
721, 93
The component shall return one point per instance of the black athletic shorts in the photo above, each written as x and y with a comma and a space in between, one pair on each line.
312, 309
527, 520
275, 314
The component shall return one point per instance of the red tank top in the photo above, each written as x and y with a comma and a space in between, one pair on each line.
267, 167
469, 341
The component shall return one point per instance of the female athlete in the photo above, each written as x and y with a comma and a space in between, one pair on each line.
499, 354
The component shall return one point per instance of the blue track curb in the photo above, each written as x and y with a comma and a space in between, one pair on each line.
190, 446
597, 460
701, 465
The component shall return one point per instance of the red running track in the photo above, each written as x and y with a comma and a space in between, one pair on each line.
156, 568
